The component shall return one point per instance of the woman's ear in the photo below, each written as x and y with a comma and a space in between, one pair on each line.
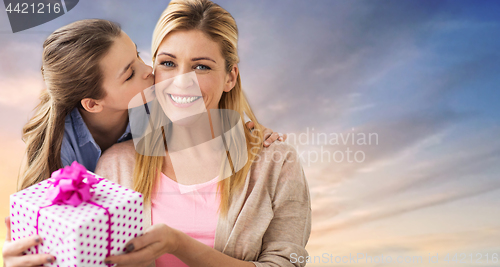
91, 105
231, 78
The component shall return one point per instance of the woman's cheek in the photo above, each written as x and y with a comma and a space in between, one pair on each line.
160, 76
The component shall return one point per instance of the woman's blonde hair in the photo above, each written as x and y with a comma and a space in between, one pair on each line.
70, 69
220, 26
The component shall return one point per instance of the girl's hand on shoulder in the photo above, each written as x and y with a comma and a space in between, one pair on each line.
13, 251
268, 134
143, 250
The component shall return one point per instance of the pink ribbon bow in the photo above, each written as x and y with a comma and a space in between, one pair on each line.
69, 187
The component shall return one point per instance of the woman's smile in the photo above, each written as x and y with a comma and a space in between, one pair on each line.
183, 101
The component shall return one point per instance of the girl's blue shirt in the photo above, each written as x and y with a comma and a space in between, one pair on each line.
78, 143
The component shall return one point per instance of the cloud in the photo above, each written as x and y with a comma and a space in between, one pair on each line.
433, 200
442, 170
482, 239
319, 58
403, 177
20, 92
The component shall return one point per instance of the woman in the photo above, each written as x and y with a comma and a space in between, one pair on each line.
261, 215
92, 70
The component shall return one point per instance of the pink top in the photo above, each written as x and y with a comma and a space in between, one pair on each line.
194, 213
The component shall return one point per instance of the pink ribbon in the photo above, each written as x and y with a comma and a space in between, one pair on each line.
69, 188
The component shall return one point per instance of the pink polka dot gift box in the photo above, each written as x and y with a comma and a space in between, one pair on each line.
81, 217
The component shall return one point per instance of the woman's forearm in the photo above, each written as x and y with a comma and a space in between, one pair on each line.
194, 253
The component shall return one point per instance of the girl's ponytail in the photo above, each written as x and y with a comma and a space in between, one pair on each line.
70, 69
39, 135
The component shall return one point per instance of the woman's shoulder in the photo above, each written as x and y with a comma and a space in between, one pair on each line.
123, 152
117, 162
277, 169
277, 153
126, 147
277, 162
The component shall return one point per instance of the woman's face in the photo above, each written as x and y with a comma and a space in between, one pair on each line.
190, 74
125, 74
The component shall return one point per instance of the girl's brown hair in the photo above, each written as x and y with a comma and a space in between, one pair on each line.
70, 69
220, 26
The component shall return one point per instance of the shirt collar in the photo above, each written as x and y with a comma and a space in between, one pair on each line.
82, 131
125, 135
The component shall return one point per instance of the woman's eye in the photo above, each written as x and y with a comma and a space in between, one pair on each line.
131, 75
202, 67
167, 63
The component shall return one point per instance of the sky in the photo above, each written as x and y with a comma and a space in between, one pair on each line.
410, 88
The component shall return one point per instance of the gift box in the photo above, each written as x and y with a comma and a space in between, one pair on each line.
81, 217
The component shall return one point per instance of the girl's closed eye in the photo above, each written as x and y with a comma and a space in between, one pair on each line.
133, 71
131, 75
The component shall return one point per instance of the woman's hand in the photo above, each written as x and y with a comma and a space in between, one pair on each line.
143, 250
269, 135
13, 250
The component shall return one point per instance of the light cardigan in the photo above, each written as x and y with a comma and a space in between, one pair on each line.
269, 220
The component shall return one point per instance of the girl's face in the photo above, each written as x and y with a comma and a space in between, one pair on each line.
125, 74
190, 74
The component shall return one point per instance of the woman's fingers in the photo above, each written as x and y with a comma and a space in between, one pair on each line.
156, 241
151, 235
139, 250
16, 248
137, 257
29, 260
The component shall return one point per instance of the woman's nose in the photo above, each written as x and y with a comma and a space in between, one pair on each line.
183, 81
